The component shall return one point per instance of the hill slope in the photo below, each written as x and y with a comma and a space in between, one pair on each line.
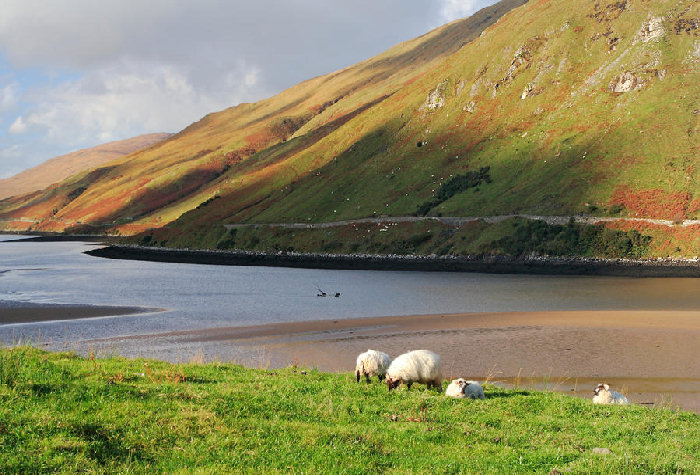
557, 108
59, 168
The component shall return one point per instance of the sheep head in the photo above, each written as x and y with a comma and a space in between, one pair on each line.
600, 387
392, 383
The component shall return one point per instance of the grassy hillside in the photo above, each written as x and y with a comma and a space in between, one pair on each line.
59, 168
573, 107
60, 412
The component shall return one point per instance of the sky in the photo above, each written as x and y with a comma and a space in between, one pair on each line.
79, 73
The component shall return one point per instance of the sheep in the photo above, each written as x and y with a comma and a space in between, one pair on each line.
372, 363
603, 395
461, 388
456, 388
473, 390
419, 366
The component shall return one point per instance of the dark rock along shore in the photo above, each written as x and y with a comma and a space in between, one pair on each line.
486, 264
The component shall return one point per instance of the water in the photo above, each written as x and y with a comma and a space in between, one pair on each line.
204, 296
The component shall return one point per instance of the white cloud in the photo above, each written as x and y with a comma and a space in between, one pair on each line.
8, 96
454, 9
127, 99
18, 126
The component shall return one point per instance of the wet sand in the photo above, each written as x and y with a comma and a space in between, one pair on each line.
652, 356
12, 312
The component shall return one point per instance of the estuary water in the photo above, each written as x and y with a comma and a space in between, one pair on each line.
191, 312
205, 296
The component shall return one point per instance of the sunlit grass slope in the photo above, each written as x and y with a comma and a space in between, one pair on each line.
64, 413
59, 168
574, 106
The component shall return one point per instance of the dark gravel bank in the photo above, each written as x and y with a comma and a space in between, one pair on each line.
485, 264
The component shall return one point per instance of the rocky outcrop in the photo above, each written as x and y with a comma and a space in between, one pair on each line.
436, 97
625, 82
651, 29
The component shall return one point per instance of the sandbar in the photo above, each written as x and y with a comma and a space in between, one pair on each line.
23, 312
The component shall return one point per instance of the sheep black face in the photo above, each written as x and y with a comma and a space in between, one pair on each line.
393, 384
357, 373
599, 388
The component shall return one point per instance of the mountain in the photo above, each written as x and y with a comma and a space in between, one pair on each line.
549, 108
59, 168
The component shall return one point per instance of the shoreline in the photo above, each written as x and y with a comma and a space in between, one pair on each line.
482, 264
39, 237
648, 355
12, 313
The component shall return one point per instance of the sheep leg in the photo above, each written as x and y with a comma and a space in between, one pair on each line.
357, 373
367, 378
409, 384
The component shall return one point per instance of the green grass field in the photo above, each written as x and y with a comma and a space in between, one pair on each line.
61, 412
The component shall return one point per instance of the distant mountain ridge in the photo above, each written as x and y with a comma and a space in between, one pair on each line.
59, 168
547, 108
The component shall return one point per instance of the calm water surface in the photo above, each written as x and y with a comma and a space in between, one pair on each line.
205, 296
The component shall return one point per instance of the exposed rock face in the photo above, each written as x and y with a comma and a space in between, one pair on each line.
651, 29
435, 99
625, 82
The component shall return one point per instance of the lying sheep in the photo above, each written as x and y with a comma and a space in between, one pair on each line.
456, 388
603, 395
473, 390
461, 388
419, 366
372, 363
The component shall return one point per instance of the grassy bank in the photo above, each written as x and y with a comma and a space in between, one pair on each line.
512, 237
67, 413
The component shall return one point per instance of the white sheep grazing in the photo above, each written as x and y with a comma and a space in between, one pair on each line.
461, 388
419, 366
372, 363
603, 395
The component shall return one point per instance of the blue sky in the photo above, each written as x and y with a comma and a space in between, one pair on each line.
78, 73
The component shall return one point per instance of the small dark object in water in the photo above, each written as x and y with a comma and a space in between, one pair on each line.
321, 294
337, 294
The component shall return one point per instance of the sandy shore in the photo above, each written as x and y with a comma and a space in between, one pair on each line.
12, 312
652, 356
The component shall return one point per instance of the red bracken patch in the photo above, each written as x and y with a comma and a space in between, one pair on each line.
653, 204
694, 207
